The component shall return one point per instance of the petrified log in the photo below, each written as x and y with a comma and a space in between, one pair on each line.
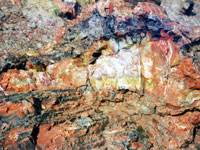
115, 75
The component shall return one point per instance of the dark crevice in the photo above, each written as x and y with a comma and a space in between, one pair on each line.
77, 56
188, 47
34, 134
37, 106
38, 64
57, 102
66, 15
194, 88
20, 63
186, 34
188, 11
195, 131
70, 15
124, 91
185, 111
77, 8
96, 55
186, 144
15, 98
14, 63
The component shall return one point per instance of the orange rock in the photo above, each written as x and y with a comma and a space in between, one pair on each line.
168, 131
54, 137
18, 81
142, 95
51, 137
68, 74
65, 74
19, 109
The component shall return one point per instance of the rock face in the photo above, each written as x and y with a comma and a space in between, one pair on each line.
184, 11
111, 75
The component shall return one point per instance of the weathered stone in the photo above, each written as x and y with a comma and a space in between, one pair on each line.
63, 75
106, 75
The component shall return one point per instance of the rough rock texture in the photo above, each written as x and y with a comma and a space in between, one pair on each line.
184, 11
118, 75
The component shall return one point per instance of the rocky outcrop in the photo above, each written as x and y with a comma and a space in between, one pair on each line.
115, 75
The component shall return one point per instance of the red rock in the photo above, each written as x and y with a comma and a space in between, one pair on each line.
17, 81
65, 74
179, 127
195, 118
51, 137
130, 82
19, 109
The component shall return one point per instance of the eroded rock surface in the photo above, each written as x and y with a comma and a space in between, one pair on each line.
109, 75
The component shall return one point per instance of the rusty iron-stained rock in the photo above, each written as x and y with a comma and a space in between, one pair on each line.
117, 75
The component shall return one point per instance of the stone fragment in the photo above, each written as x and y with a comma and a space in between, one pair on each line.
68, 74
121, 71
65, 74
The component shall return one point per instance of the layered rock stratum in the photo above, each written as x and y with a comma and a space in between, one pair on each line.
107, 75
